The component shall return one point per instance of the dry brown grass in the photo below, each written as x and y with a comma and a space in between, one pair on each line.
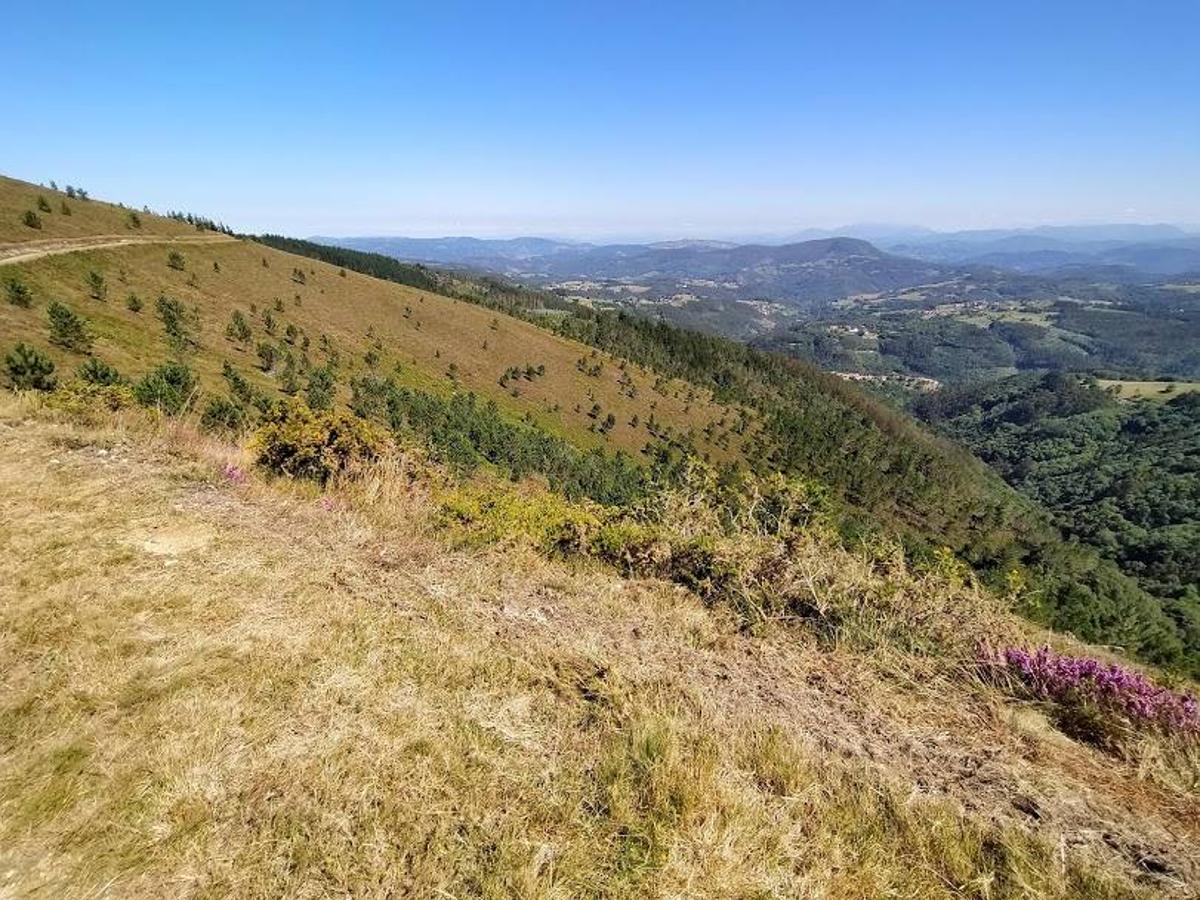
212, 689
88, 217
423, 333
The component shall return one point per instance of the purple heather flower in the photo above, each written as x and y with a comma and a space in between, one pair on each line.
1081, 680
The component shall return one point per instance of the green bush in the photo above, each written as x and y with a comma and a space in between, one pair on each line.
29, 369
31, 219
266, 355
238, 329
317, 445
176, 261
68, 329
171, 387
96, 371
322, 385
43, 204
18, 294
133, 303
223, 414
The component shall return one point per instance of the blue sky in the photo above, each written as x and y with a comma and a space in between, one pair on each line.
613, 119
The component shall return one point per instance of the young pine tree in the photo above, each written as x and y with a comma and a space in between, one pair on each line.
68, 329
29, 369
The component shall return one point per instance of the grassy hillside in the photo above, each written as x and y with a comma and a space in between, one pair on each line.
215, 684
599, 382
62, 217
428, 336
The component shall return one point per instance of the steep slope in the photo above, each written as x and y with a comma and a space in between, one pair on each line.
413, 359
214, 685
1123, 477
428, 336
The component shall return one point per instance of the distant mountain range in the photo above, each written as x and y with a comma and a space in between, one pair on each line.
800, 272
818, 264
1147, 249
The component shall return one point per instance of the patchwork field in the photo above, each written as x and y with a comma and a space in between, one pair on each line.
1149, 390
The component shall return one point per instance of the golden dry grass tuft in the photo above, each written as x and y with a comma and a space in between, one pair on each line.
213, 688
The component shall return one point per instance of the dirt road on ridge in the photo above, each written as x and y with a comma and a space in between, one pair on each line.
28, 251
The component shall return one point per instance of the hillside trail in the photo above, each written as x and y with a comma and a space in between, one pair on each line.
28, 251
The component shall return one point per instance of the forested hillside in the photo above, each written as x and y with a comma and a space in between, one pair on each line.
1121, 477
888, 473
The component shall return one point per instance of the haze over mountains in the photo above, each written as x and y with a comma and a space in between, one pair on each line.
856, 259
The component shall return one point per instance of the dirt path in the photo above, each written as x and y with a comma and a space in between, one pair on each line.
27, 251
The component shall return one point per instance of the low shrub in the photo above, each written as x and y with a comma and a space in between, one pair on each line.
68, 329
223, 414
1100, 702
96, 371
320, 446
86, 400
171, 388
545, 519
18, 293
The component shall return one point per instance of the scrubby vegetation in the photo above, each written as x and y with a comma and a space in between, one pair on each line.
321, 446
171, 388
889, 473
657, 747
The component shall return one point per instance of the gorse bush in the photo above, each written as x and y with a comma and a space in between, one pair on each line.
318, 445
171, 388
68, 329
30, 219
29, 369
89, 402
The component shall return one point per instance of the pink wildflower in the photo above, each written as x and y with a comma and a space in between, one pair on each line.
1106, 686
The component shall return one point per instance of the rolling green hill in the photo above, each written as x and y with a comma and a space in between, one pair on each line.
575, 395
